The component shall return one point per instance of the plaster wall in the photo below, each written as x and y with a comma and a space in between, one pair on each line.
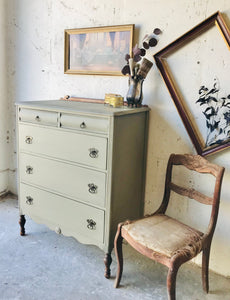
4, 128
35, 53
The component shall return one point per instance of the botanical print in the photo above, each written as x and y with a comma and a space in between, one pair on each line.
216, 109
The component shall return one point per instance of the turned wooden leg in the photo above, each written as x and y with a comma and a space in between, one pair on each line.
205, 266
171, 283
119, 255
107, 262
22, 222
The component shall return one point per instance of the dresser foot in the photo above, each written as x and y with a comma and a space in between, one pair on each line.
107, 262
22, 222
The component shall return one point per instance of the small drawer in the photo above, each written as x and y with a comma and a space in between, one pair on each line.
63, 215
69, 180
38, 116
84, 123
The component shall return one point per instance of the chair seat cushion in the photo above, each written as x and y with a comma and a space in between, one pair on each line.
165, 235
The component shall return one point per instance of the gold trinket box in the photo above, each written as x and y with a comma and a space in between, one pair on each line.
114, 100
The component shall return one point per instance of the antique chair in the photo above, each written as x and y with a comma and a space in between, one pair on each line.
166, 240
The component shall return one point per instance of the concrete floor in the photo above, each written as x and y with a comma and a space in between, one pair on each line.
47, 266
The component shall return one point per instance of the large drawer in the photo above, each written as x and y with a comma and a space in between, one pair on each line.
38, 116
70, 180
75, 147
61, 214
84, 123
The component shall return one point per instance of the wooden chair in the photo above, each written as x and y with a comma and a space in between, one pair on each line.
166, 240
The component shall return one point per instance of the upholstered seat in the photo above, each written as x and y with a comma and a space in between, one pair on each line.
165, 236
167, 240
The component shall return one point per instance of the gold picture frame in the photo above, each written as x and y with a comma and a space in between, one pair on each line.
97, 50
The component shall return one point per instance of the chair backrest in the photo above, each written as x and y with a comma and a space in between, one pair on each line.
201, 165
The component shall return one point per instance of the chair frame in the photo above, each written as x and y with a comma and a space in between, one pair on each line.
200, 165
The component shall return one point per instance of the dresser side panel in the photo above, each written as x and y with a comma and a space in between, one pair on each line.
128, 169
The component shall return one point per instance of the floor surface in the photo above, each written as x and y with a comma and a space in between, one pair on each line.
46, 266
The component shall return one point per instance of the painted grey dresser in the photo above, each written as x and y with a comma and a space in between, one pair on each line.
81, 168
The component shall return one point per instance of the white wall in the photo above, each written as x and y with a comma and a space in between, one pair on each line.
35, 71
4, 128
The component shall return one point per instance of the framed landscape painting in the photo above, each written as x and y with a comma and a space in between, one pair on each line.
98, 50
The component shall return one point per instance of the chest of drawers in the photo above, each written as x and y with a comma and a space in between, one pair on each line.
81, 168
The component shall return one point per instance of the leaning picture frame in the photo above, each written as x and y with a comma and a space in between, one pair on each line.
97, 50
195, 68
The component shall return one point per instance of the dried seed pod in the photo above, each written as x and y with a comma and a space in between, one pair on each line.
152, 42
136, 50
143, 52
127, 57
157, 31
137, 58
125, 70
146, 45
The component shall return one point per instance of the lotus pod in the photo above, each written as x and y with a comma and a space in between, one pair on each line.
146, 65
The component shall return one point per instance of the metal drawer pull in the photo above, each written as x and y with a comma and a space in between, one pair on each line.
82, 125
29, 170
91, 224
92, 188
29, 140
29, 200
37, 118
93, 153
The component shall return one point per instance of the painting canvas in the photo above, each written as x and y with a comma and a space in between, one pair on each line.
98, 50
196, 70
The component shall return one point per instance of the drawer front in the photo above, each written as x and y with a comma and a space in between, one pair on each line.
69, 180
38, 116
74, 147
74, 219
85, 123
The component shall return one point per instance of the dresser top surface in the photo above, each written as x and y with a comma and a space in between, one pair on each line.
80, 107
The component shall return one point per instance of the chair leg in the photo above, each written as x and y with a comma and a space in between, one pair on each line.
205, 268
171, 283
119, 255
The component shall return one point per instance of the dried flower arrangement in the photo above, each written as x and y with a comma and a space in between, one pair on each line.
138, 66
132, 65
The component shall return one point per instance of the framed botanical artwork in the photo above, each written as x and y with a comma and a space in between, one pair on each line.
196, 69
98, 50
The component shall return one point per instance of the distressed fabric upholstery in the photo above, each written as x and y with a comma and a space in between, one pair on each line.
165, 235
